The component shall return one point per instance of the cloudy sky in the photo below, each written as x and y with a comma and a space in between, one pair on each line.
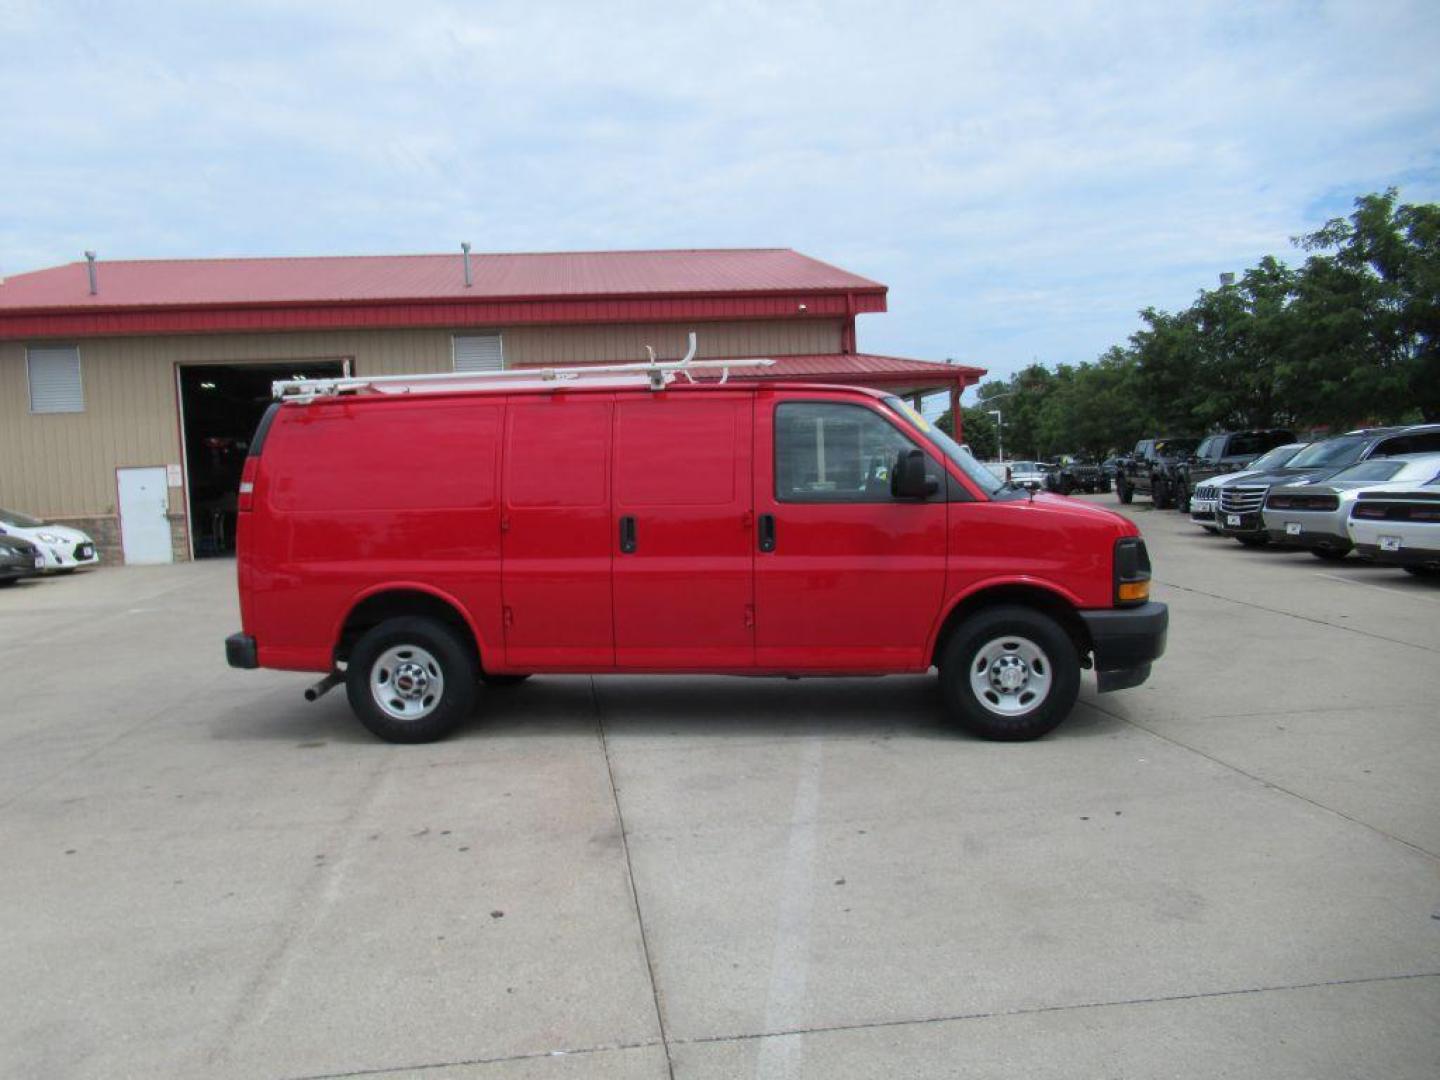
1024, 176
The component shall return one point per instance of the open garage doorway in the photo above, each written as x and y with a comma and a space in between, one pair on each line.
220, 407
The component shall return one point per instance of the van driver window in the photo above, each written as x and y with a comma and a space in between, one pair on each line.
829, 452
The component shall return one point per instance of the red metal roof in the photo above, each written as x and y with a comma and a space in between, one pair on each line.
351, 279
217, 295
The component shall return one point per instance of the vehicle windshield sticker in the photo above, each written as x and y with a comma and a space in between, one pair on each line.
913, 416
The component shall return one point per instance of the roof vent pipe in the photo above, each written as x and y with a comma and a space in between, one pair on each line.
465, 247
90, 260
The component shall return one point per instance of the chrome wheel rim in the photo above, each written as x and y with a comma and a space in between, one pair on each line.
1011, 676
406, 682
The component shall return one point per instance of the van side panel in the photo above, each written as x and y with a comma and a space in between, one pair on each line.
557, 538
684, 596
355, 496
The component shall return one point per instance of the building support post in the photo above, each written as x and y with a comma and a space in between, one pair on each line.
957, 422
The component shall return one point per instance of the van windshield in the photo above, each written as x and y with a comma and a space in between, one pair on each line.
980, 476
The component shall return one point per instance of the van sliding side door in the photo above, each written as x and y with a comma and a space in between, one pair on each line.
682, 530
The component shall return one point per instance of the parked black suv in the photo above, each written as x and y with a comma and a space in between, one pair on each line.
1238, 513
1153, 468
1072, 473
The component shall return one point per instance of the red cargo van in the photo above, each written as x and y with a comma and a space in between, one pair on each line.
415, 538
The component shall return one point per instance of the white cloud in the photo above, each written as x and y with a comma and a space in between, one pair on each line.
1025, 177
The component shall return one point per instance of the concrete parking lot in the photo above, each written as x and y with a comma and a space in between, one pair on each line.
1233, 870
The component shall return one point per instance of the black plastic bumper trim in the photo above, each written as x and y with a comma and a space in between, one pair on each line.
240, 651
1127, 638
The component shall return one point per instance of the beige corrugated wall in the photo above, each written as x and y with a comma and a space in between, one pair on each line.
63, 465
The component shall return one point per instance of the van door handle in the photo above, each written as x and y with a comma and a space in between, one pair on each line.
767, 532
627, 535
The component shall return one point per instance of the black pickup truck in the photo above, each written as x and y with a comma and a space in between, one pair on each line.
1168, 470
1155, 468
1227, 452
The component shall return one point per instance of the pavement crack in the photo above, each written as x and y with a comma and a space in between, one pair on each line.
1296, 615
317, 895
1262, 780
1040, 1010
630, 875
533, 1055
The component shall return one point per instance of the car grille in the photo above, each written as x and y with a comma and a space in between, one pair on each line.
1242, 499
1204, 491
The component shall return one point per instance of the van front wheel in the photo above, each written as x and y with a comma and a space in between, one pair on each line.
411, 680
1009, 673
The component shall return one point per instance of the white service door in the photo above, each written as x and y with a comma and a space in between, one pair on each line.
144, 528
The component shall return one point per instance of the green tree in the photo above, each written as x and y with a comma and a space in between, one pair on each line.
1374, 297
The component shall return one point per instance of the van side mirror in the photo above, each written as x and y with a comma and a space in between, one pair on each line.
908, 479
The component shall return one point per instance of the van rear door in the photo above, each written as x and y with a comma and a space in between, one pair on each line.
682, 534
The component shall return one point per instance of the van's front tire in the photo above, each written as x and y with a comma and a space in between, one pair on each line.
411, 680
1009, 673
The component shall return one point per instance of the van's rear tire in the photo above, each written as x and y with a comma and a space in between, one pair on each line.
997, 656
1124, 492
411, 680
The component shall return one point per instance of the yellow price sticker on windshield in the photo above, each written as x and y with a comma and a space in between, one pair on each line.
915, 418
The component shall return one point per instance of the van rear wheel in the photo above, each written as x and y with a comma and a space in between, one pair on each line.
411, 680
1009, 673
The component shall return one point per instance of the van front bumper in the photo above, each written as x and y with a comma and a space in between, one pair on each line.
1125, 642
240, 651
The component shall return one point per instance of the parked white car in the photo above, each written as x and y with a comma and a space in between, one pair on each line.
1314, 514
1398, 526
65, 549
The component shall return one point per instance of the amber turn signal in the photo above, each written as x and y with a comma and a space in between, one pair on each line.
1132, 591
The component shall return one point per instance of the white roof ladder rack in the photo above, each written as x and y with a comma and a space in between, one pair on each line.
656, 374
